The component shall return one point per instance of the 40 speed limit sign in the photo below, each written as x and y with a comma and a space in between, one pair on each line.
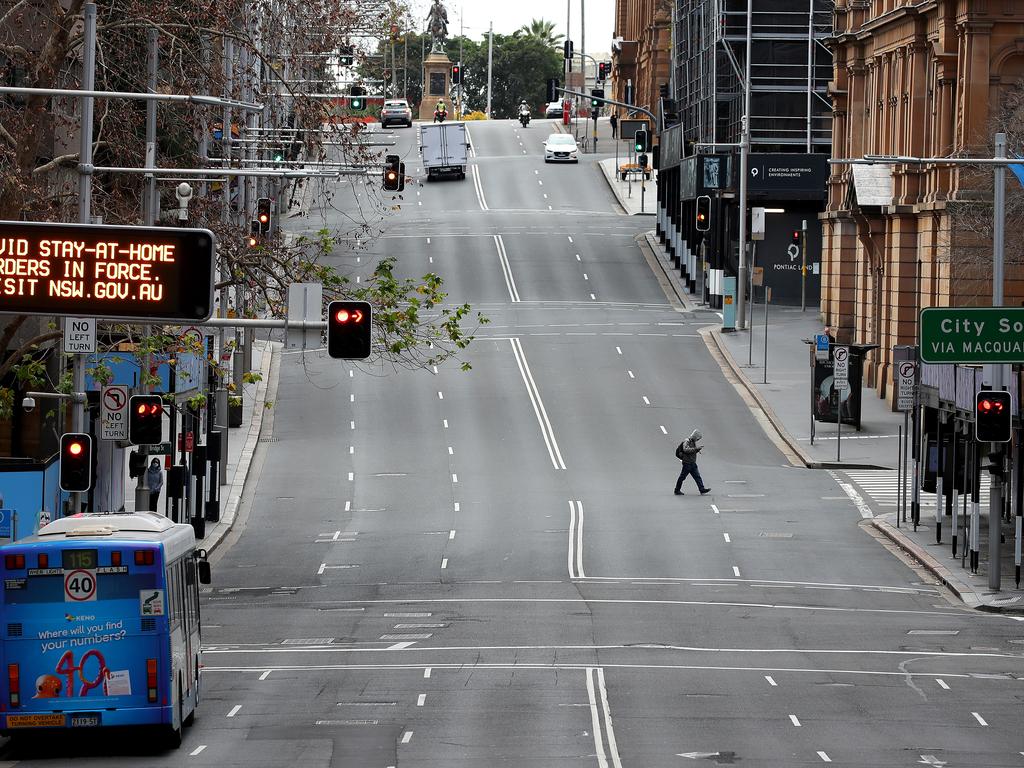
79, 586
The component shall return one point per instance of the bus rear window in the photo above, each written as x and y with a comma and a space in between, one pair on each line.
50, 588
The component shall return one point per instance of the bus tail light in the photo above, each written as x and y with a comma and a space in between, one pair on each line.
14, 684
14, 562
143, 556
44, 560
151, 680
115, 557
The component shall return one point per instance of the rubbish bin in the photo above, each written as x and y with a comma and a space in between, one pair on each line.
826, 404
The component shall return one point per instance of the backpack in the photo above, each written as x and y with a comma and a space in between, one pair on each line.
681, 451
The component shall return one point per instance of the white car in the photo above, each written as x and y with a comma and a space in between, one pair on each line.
560, 148
396, 111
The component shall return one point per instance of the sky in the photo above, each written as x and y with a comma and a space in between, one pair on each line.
508, 16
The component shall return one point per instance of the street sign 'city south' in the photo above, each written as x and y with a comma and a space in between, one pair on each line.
163, 273
975, 336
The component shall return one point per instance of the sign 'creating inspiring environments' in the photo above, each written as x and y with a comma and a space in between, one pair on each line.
163, 273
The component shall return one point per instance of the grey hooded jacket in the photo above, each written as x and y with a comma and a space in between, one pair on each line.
689, 448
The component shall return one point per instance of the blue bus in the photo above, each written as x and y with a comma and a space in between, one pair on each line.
101, 625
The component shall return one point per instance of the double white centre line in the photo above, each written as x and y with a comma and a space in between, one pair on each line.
506, 269
599, 712
538, 405
475, 173
576, 540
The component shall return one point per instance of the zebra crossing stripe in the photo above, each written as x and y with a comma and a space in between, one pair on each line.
882, 488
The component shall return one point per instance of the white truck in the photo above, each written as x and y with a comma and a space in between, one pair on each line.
444, 149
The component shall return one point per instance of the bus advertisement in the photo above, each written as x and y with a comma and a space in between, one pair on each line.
101, 625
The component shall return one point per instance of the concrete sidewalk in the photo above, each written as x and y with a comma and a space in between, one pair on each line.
866, 468
635, 195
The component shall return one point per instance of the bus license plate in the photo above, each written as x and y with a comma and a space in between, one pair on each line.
48, 720
85, 720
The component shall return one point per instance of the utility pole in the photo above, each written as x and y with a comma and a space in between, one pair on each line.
583, 46
995, 504
85, 169
741, 272
490, 64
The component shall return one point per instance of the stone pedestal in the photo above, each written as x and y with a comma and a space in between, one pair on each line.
437, 74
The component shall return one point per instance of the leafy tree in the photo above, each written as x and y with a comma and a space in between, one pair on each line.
521, 68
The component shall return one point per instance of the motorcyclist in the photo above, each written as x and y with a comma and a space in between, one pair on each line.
441, 109
524, 108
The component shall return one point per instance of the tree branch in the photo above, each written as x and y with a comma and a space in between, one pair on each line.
25, 348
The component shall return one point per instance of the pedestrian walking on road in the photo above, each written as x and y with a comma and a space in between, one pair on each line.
155, 482
614, 120
687, 452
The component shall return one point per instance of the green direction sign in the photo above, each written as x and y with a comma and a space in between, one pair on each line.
975, 336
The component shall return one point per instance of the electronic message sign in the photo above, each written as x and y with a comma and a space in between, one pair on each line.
159, 273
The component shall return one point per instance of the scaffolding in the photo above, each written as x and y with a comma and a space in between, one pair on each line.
790, 71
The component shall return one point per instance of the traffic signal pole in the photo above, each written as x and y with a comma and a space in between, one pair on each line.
995, 507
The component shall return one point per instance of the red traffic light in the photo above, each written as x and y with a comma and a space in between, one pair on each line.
75, 470
264, 218
990, 406
75, 448
349, 330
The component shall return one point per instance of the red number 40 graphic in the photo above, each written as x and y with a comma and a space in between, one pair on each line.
67, 667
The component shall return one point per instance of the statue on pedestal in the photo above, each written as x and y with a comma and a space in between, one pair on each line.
437, 25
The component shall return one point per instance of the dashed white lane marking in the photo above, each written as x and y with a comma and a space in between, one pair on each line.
440, 395
351, 450
435, 369
352, 425
426, 672
979, 718
771, 681
430, 259
570, 239
824, 757
794, 720
536, 172
451, 451
550, 208
736, 571
421, 700
593, 297
265, 675
585, 276
662, 428
351, 374
578, 257
455, 478
428, 241
727, 539
348, 506
321, 569
630, 374
619, 350
646, 401
444, 563
714, 508
197, 750
234, 710
407, 737
456, 506
451, 535
351, 398
942, 684
540, 182
446, 423
351, 476
545, 196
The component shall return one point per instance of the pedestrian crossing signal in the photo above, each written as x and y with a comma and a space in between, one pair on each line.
349, 326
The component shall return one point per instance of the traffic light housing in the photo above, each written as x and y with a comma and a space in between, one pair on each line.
264, 206
567, 50
401, 177
596, 95
75, 462
357, 98
993, 416
602, 70
145, 419
456, 74
796, 237
253, 240
552, 89
349, 325
392, 173
346, 55
642, 140
703, 215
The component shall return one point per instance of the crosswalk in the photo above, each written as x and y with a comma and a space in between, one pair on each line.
881, 487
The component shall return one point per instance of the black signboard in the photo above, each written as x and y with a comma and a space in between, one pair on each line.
703, 175
787, 176
85, 270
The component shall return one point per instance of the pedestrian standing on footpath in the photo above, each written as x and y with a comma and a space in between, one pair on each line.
687, 452
614, 120
155, 482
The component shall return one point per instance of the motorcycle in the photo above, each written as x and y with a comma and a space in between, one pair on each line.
524, 118
439, 116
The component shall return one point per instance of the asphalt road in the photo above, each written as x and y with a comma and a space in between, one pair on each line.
489, 568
